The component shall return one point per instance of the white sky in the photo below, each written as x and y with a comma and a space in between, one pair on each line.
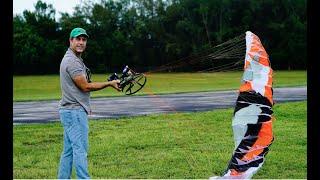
59, 5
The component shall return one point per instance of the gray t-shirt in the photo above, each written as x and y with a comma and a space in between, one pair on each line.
72, 96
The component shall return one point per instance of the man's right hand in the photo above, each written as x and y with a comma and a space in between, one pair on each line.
115, 84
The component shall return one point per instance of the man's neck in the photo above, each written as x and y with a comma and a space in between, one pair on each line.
76, 53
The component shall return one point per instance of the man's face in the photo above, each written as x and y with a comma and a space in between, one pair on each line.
78, 44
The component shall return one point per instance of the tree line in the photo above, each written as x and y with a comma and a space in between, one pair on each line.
149, 33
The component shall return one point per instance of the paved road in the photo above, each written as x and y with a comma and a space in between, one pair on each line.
46, 111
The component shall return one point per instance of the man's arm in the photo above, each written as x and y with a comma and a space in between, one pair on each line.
81, 83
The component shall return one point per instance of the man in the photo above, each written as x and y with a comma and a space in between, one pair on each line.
74, 106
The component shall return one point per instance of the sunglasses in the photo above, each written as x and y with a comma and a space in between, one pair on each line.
88, 75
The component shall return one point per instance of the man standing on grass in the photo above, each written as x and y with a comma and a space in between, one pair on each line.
74, 106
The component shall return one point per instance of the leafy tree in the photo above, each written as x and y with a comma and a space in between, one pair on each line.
150, 33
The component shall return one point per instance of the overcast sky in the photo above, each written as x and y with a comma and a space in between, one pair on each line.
59, 5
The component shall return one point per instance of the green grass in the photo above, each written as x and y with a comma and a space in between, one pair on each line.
47, 87
178, 145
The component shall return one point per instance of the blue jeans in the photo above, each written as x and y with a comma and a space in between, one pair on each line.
75, 143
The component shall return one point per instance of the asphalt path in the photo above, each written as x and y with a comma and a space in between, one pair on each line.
116, 107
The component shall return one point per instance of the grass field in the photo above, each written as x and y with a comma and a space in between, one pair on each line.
47, 87
179, 146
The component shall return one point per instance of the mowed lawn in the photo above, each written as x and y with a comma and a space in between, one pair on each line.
47, 87
168, 146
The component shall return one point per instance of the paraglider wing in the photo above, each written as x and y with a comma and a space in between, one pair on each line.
252, 120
